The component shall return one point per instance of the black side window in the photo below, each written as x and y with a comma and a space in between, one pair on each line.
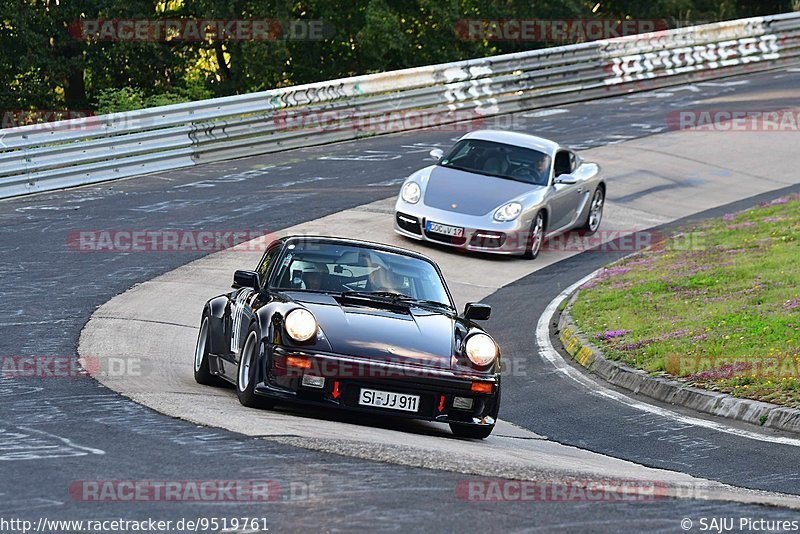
564, 164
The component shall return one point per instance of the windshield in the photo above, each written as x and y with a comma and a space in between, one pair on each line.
338, 268
497, 159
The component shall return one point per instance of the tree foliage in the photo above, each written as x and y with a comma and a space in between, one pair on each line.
45, 66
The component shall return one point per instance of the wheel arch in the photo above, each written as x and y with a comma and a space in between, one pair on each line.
215, 309
546, 215
602, 185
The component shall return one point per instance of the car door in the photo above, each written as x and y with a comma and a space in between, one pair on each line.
564, 197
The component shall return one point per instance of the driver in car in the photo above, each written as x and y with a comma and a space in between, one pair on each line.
541, 168
536, 172
309, 276
315, 278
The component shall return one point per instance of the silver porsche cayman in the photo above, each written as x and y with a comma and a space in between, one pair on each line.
501, 192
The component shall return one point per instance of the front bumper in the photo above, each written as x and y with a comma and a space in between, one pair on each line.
442, 392
481, 233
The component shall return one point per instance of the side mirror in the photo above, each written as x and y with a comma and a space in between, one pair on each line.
565, 179
437, 153
249, 279
474, 311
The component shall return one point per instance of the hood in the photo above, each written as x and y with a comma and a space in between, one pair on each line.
472, 194
402, 335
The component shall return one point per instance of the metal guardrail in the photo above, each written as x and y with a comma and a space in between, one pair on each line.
75, 152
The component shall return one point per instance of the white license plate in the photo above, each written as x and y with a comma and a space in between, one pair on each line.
387, 399
438, 228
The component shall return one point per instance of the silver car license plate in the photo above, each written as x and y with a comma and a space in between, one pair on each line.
438, 228
387, 399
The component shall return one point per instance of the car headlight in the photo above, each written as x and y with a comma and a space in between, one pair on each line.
509, 212
481, 349
300, 324
411, 193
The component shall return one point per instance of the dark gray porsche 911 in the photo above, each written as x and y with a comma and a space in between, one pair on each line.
353, 325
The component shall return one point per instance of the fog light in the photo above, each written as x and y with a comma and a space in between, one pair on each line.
462, 403
313, 381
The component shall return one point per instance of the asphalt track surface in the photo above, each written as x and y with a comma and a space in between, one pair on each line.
58, 431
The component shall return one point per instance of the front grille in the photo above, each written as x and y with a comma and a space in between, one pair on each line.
408, 223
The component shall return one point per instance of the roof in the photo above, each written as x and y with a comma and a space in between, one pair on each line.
358, 243
516, 139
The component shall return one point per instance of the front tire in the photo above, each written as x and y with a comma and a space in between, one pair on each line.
471, 431
535, 237
246, 373
595, 215
202, 373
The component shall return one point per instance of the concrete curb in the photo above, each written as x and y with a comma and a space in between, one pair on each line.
589, 356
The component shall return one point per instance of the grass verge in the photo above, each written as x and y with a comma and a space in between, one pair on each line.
717, 305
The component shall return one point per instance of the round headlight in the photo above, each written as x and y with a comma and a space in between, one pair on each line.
509, 212
300, 324
481, 349
411, 192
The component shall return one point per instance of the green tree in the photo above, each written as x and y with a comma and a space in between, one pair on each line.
45, 64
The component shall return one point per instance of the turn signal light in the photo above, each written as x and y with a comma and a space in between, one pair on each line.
482, 387
298, 361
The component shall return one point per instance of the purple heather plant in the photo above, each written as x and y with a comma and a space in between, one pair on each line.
614, 271
724, 371
640, 262
611, 334
778, 201
663, 337
746, 224
673, 335
635, 346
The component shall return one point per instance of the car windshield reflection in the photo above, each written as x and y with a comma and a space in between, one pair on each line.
308, 265
497, 159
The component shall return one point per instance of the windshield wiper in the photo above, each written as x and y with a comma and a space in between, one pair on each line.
456, 167
393, 297
380, 295
436, 303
